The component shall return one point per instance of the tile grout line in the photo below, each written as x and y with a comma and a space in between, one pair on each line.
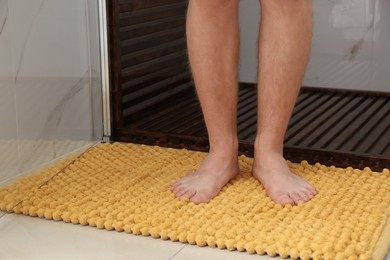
60, 171
2, 214
181, 249
44, 165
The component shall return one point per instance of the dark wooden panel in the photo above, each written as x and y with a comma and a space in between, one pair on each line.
361, 127
321, 122
154, 101
129, 6
319, 103
380, 137
162, 86
149, 28
150, 54
149, 64
155, 78
139, 14
332, 127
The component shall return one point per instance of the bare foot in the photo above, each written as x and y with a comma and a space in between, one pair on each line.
283, 186
205, 183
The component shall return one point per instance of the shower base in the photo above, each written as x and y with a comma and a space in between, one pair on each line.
333, 127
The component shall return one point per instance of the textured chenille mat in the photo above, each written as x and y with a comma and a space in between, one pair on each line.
127, 188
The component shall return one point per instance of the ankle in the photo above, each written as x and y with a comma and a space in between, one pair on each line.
225, 149
263, 147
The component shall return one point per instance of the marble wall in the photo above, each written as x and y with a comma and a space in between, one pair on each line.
50, 86
350, 44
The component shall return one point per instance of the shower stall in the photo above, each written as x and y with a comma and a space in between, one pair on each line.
75, 73
342, 114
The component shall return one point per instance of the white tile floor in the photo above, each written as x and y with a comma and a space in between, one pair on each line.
23, 237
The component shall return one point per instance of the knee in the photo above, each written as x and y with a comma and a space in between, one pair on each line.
286, 7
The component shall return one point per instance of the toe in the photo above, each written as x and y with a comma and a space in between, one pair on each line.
180, 190
187, 194
304, 195
180, 186
176, 188
312, 190
180, 193
308, 186
199, 198
309, 193
175, 185
296, 198
284, 200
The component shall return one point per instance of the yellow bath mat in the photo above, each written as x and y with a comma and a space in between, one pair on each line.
127, 188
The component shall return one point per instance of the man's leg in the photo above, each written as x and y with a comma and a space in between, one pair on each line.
284, 47
213, 46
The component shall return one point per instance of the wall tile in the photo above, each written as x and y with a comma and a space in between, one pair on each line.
381, 52
9, 156
49, 38
47, 82
350, 44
